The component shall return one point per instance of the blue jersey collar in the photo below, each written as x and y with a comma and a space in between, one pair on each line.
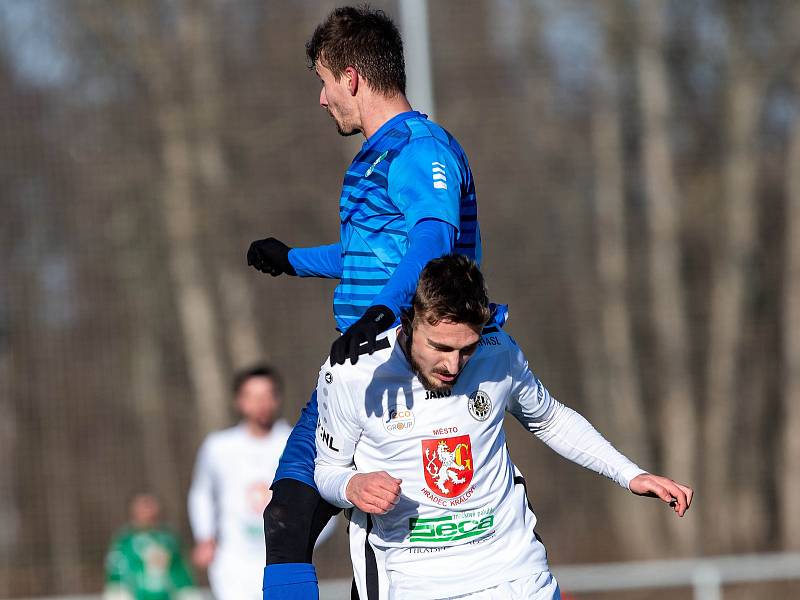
391, 124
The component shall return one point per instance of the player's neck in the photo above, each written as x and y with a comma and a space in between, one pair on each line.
257, 430
378, 112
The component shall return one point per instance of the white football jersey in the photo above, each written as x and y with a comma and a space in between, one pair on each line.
463, 522
230, 489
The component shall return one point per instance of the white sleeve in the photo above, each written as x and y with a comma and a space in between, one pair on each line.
338, 430
563, 429
201, 496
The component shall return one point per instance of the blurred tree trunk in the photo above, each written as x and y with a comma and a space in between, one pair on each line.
148, 393
678, 416
62, 510
788, 480
195, 304
149, 54
734, 258
196, 31
194, 298
59, 464
9, 514
20, 153
151, 404
615, 361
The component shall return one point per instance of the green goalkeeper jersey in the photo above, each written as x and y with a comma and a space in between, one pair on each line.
148, 564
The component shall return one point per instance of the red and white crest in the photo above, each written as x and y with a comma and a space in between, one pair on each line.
258, 496
448, 465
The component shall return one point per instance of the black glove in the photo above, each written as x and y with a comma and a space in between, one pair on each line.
270, 256
376, 320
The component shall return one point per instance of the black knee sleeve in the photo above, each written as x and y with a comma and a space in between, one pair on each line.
293, 521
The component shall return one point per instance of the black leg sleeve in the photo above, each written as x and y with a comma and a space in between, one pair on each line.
293, 521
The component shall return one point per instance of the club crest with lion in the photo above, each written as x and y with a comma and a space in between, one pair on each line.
448, 465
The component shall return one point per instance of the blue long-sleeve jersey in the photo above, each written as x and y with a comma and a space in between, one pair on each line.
407, 197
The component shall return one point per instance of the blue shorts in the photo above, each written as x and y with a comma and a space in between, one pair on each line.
297, 460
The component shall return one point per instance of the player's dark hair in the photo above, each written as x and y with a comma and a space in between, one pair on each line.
364, 39
451, 288
259, 370
134, 495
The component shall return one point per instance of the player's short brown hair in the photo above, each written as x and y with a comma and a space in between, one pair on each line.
451, 288
259, 370
364, 39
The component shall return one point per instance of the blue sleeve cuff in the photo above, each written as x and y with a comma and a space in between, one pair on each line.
427, 240
319, 261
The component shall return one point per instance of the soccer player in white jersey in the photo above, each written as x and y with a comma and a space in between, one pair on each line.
230, 488
413, 437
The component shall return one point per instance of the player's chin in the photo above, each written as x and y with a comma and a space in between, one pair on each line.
345, 129
265, 422
346, 132
434, 384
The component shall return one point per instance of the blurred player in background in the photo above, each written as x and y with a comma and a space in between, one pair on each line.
407, 197
145, 560
414, 436
230, 488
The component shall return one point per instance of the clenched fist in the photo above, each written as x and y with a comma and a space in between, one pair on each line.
375, 493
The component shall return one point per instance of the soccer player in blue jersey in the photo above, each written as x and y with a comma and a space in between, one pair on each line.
407, 197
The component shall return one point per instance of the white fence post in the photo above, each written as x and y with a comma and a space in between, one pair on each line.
707, 583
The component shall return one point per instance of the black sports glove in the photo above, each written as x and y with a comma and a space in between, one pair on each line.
270, 256
376, 320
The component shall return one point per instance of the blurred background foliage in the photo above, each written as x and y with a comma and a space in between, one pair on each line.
638, 174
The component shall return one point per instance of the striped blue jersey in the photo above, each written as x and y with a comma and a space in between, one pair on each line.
410, 170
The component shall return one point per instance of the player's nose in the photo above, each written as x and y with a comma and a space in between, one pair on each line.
323, 98
452, 362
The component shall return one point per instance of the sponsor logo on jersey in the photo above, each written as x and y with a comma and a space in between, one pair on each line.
445, 430
156, 558
154, 555
424, 550
438, 394
328, 377
451, 528
479, 405
489, 340
539, 390
326, 437
439, 176
375, 164
448, 465
401, 420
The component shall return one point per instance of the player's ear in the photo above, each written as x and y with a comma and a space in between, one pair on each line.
352, 78
406, 320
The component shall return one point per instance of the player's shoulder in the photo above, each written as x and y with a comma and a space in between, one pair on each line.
424, 133
369, 366
426, 142
165, 536
495, 340
223, 436
122, 535
422, 129
281, 428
